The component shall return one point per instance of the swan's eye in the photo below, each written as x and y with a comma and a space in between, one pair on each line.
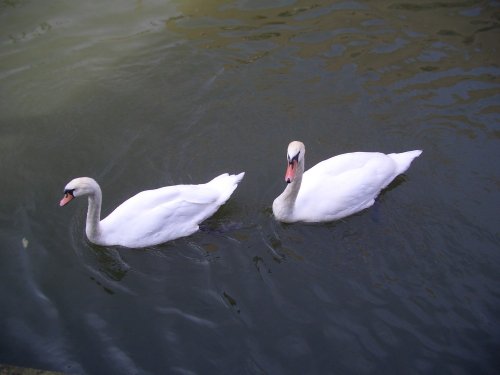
296, 158
70, 192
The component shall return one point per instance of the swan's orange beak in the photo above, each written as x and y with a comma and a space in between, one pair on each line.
66, 199
290, 171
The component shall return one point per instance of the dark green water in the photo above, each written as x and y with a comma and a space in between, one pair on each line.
142, 94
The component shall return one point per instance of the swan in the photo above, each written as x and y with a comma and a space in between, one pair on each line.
151, 217
336, 187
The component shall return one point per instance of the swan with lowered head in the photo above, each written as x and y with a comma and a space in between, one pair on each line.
336, 187
151, 217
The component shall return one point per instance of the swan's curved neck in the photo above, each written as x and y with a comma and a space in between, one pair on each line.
283, 205
92, 228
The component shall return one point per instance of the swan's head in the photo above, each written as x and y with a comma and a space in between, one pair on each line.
295, 157
78, 187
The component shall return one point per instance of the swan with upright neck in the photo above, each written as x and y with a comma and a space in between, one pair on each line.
151, 217
336, 187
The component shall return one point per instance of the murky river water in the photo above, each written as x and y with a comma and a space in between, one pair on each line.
140, 94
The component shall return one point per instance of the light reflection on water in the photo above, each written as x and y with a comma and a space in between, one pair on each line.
144, 94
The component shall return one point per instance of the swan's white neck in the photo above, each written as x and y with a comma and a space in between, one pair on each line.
93, 228
284, 204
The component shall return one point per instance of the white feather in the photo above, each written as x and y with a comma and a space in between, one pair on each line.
154, 216
339, 186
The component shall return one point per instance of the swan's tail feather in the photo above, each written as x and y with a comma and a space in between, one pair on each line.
236, 178
226, 184
404, 159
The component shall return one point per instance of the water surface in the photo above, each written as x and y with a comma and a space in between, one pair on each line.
142, 94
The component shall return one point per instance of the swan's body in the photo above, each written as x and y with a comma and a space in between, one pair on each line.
336, 187
154, 216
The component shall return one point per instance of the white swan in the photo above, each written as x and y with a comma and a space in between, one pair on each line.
154, 216
336, 187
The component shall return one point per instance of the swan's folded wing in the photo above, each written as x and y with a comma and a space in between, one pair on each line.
339, 164
339, 191
171, 219
157, 216
152, 199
